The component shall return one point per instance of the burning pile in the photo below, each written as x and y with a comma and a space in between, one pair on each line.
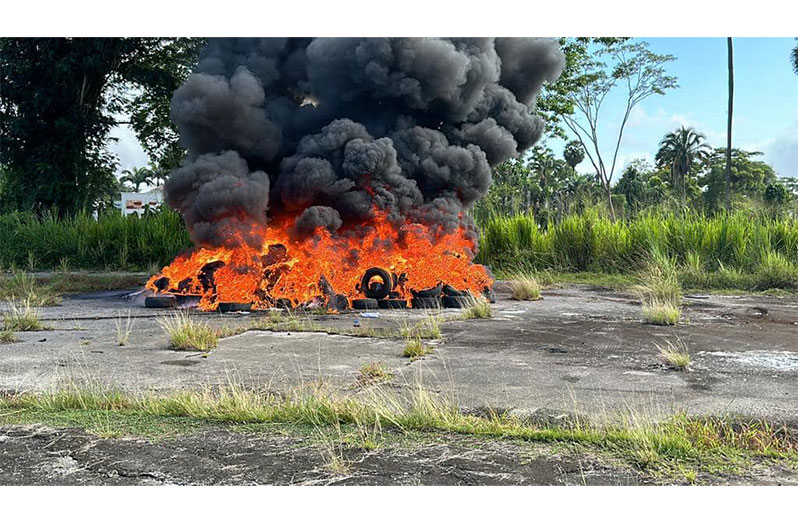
312, 161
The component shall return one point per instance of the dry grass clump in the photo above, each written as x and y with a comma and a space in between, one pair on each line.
524, 287
372, 373
675, 357
24, 287
7, 336
123, 329
478, 308
22, 317
660, 292
188, 333
415, 349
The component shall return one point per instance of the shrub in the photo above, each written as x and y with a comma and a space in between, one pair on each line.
524, 287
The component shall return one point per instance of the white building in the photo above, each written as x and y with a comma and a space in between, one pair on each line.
135, 202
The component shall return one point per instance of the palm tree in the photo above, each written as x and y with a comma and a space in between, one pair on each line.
137, 176
158, 174
679, 150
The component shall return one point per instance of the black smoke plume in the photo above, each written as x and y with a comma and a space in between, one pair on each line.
327, 129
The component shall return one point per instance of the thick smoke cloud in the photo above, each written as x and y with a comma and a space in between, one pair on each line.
328, 129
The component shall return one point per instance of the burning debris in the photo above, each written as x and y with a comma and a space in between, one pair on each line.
331, 172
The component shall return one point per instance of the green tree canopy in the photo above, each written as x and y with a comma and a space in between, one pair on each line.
679, 151
60, 97
749, 176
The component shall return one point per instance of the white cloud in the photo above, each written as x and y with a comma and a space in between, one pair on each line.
128, 149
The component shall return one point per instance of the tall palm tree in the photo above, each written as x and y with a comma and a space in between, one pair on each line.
158, 174
137, 176
680, 150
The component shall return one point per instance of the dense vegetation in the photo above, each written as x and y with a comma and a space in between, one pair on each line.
112, 242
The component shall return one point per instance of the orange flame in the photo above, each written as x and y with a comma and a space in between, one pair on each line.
297, 269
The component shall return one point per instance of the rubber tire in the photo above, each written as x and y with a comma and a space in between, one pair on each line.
489, 295
448, 290
283, 303
434, 292
231, 306
457, 302
365, 304
338, 302
426, 303
160, 302
384, 290
393, 304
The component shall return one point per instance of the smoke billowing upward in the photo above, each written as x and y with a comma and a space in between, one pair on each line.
325, 130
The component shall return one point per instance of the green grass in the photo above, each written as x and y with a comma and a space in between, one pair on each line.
7, 335
478, 309
661, 313
675, 447
742, 250
187, 332
22, 317
372, 373
524, 287
113, 242
415, 349
675, 357
24, 287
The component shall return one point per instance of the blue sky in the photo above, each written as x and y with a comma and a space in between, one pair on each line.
765, 101
765, 105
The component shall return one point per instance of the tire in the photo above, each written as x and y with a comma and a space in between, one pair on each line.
338, 302
379, 291
393, 304
456, 302
283, 303
489, 295
160, 302
365, 304
433, 292
448, 290
426, 303
231, 306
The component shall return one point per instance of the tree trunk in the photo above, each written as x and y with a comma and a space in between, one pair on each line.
729, 124
609, 200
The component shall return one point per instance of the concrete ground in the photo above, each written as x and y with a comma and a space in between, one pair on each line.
578, 349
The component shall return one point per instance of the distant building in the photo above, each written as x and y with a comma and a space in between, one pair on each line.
136, 203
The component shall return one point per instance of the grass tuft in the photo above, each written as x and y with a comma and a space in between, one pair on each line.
524, 287
123, 330
661, 313
24, 287
415, 349
7, 335
22, 317
478, 308
675, 357
660, 292
372, 373
188, 333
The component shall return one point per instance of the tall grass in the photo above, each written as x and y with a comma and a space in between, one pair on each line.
112, 242
760, 251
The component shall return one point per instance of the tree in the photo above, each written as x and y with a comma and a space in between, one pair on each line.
60, 97
640, 73
679, 151
640, 186
749, 176
556, 99
136, 177
730, 51
795, 59
573, 153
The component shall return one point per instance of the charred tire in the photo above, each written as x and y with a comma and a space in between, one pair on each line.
457, 302
283, 303
393, 304
426, 303
365, 303
231, 306
433, 292
448, 290
378, 291
339, 302
489, 295
160, 302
